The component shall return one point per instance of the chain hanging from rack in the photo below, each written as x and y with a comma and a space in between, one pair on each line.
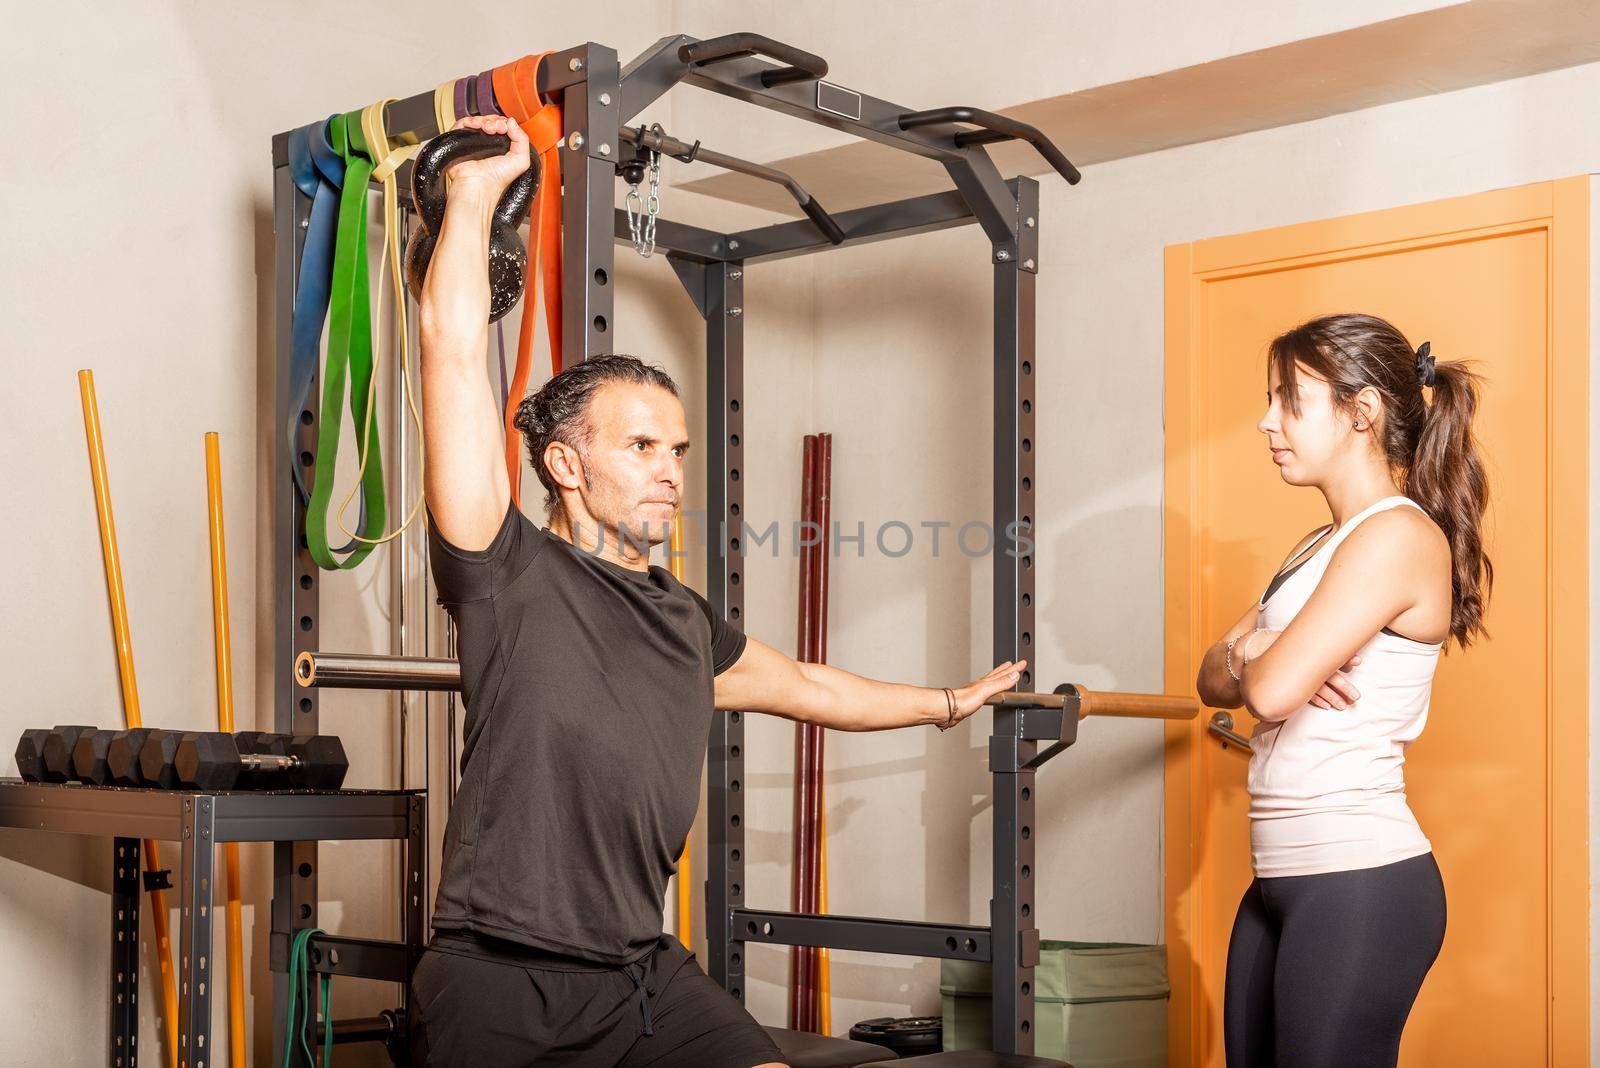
642, 223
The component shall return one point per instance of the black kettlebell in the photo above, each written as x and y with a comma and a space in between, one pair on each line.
508, 257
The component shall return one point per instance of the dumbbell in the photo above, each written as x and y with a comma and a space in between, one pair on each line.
31, 763
122, 758
89, 756
323, 764
125, 767
30, 754
156, 758
58, 752
212, 761
259, 743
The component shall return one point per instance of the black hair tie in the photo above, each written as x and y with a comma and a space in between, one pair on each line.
1425, 372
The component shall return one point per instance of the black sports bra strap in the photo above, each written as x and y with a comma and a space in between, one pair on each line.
1283, 576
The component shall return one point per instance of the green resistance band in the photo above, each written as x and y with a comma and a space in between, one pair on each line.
300, 1002
349, 355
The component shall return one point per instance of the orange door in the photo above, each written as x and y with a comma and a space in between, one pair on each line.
1498, 780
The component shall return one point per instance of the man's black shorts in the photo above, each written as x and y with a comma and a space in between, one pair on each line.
664, 1011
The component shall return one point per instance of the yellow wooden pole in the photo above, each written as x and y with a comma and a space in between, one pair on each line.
824, 994
130, 685
224, 647
685, 883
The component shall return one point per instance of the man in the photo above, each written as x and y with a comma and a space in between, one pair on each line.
589, 680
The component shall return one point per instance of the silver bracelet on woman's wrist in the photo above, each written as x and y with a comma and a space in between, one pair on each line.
1244, 653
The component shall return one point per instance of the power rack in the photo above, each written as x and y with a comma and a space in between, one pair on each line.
599, 99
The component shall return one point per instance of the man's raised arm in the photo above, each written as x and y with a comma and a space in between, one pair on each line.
466, 481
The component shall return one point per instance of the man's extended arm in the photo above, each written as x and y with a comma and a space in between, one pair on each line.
464, 452
764, 680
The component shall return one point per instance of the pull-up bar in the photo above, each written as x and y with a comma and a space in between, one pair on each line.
733, 66
696, 153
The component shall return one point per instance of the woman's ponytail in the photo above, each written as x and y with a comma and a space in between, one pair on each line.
1446, 477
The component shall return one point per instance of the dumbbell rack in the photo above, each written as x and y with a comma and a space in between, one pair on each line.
199, 822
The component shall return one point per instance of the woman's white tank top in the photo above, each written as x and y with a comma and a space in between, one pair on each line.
1327, 792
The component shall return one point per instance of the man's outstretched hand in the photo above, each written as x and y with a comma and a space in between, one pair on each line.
970, 698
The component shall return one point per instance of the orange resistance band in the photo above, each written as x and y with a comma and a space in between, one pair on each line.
516, 88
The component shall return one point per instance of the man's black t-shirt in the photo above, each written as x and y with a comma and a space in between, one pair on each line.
588, 693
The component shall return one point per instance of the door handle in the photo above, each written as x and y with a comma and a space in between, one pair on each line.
1221, 725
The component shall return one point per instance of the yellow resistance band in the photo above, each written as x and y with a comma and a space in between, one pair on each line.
387, 158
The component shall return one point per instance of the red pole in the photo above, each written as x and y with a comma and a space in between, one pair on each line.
799, 877
819, 652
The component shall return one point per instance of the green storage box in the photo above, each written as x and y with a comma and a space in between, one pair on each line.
1096, 1004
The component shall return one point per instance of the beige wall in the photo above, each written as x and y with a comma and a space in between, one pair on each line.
161, 118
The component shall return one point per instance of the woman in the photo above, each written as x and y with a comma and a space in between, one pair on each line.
1346, 913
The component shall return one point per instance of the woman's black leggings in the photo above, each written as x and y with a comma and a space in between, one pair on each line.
1323, 969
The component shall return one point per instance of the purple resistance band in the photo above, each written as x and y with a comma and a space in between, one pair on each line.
505, 382
486, 101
